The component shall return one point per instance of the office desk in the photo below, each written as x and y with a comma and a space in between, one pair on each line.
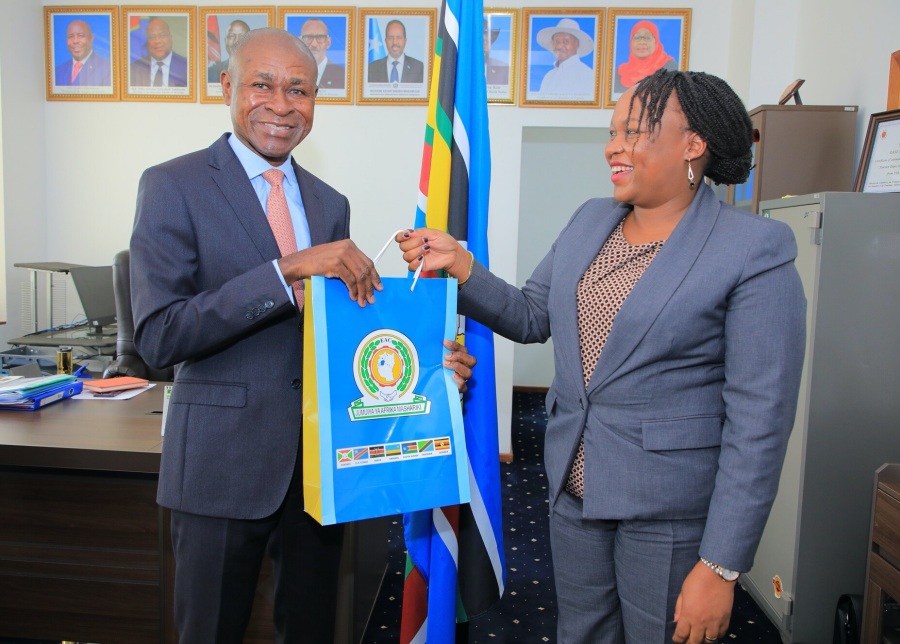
84, 549
75, 336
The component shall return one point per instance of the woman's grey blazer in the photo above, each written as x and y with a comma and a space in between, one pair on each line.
689, 409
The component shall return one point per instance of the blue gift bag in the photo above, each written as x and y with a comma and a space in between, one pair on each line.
382, 422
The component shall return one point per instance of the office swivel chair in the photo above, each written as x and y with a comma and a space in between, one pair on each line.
128, 362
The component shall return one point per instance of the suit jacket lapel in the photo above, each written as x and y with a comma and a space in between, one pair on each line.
656, 286
232, 180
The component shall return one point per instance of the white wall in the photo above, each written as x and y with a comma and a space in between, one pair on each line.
70, 169
562, 167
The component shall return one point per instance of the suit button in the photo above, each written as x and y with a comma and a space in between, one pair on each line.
296, 383
270, 304
249, 315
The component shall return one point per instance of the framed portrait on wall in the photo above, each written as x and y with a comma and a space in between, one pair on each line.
328, 32
501, 28
641, 41
80, 53
218, 29
395, 55
561, 57
158, 54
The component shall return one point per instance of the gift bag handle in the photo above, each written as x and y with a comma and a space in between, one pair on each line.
385, 247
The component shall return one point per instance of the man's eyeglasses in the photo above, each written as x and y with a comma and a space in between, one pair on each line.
318, 38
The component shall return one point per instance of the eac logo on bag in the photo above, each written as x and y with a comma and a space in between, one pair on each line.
386, 370
382, 420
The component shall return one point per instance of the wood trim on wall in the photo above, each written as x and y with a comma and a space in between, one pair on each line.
893, 98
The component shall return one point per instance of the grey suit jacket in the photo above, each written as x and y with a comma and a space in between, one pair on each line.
207, 299
689, 409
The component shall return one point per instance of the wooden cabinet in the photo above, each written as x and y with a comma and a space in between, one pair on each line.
881, 620
85, 552
799, 149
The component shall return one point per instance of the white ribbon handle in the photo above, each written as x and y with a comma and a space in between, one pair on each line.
381, 252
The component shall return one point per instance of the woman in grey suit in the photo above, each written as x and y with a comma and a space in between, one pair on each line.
679, 329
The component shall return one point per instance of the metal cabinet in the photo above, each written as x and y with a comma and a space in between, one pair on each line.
815, 544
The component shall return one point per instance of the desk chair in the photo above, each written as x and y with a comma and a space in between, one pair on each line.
128, 362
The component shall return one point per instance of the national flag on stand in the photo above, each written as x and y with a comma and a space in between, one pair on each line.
455, 565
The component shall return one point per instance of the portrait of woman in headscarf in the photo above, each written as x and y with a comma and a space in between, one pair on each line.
646, 54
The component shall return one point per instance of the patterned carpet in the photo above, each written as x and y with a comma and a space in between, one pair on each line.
527, 611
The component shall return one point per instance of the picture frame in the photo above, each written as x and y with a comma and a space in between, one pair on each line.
218, 28
171, 31
378, 32
792, 91
501, 44
335, 51
641, 41
566, 76
81, 53
880, 158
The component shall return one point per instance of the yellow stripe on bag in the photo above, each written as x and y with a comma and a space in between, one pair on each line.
312, 471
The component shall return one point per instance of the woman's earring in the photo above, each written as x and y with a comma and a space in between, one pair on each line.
691, 175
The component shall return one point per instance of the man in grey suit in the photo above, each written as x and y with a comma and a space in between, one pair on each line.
212, 295
396, 67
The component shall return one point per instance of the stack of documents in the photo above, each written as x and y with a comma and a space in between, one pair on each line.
33, 393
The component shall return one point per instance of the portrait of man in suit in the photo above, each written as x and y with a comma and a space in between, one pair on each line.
496, 71
161, 66
396, 50
396, 67
328, 36
331, 75
220, 30
85, 66
500, 34
236, 29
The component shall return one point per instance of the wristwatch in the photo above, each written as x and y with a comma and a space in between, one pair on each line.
724, 573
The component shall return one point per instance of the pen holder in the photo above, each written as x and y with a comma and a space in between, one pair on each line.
64, 360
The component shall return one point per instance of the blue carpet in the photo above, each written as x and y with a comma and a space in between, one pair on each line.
527, 611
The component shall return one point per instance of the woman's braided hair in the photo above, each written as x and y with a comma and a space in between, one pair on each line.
713, 111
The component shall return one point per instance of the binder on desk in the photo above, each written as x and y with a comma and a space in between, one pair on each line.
38, 398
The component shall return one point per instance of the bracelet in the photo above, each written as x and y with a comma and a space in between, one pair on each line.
724, 573
469, 274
